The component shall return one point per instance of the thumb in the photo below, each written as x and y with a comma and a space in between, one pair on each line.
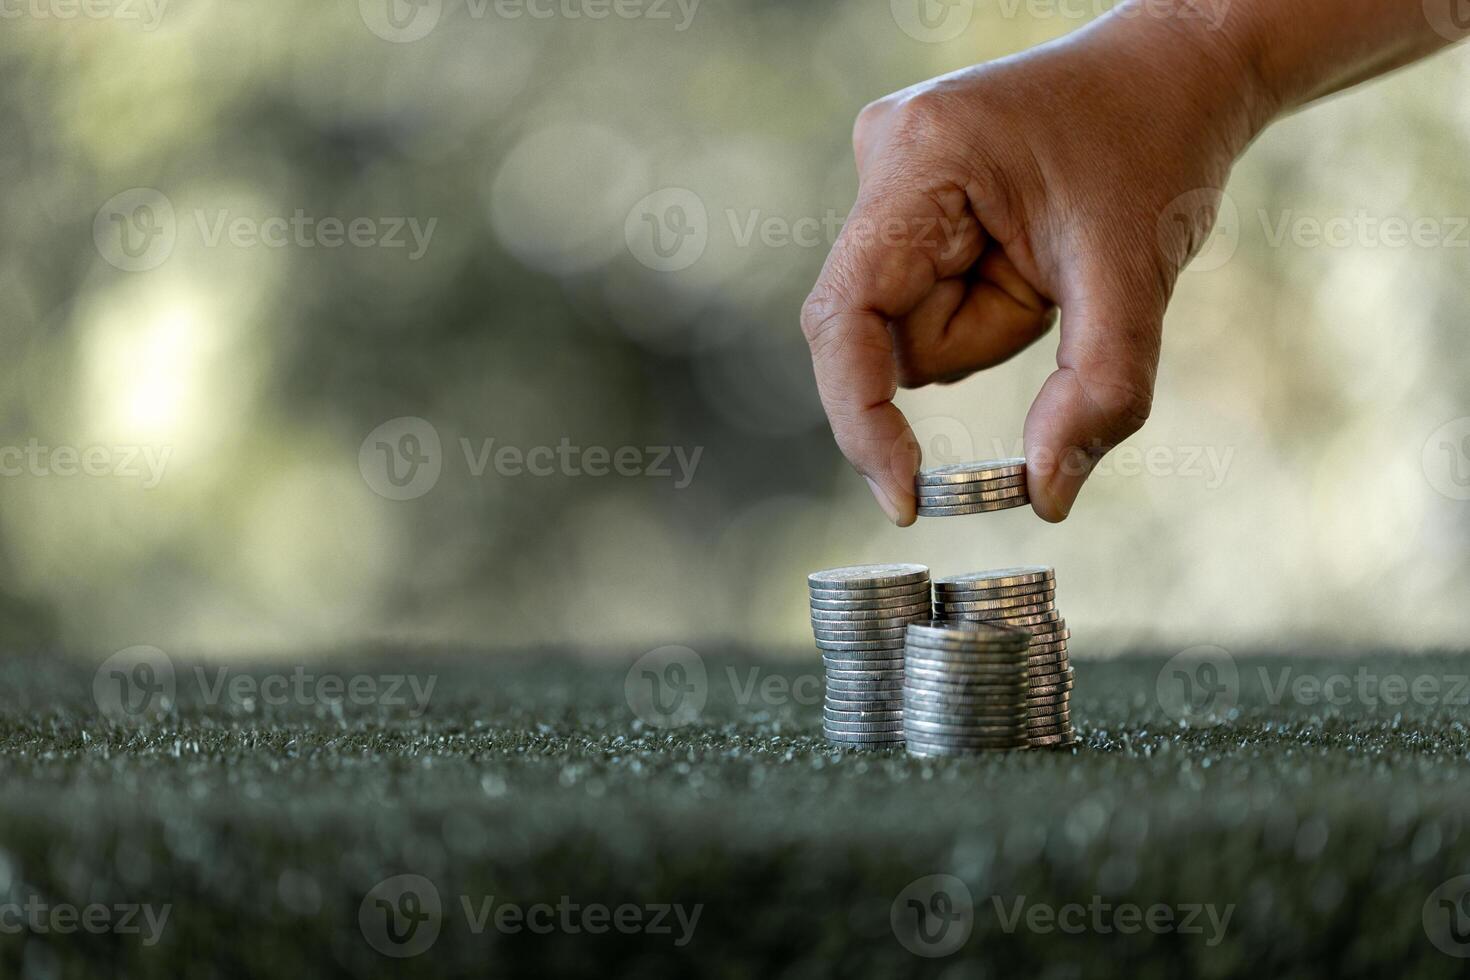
1102, 390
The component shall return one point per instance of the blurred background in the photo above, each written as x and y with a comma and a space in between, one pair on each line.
475, 323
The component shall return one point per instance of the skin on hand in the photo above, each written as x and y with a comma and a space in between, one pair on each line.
1081, 175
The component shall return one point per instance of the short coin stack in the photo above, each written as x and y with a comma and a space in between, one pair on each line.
971, 488
859, 615
964, 688
1023, 598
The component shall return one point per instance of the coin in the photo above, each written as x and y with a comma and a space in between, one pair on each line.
890, 616
856, 605
858, 704
831, 714
852, 740
960, 590
1008, 719
965, 472
862, 727
883, 576
958, 702
965, 509
970, 679
963, 746
1042, 691
1015, 576
986, 612
963, 633
1059, 741
833, 663
882, 648
866, 675
894, 633
865, 687
1049, 700
969, 600
965, 670
974, 493
918, 590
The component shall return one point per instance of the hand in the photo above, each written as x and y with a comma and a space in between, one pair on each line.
1081, 175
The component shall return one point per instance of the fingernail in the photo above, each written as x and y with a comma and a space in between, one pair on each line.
878, 494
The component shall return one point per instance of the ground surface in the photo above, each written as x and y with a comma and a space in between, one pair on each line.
267, 829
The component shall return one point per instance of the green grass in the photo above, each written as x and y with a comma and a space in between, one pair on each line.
530, 779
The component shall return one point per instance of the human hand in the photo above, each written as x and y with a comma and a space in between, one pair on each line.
1081, 175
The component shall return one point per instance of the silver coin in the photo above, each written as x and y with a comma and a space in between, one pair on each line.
1016, 576
917, 590
832, 714
959, 746
1050, 700
861, 727
1043, 691
878, 740
966, 509
1002, 719
890, 617
916, 681
929, 700
878, 648
882, 576
961, 472
985, 611
968, 600
1052, 712
859, 635
843, 707
974, 493
976, 484
966, 670
978, 633
837, 663
925, 751
1015, 659
883, 625
969, 727
860, 605
948, 675
864, 688
1060, 740
1045, 621
1046, 590
886, 674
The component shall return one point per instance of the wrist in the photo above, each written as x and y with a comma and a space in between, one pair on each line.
1207, 53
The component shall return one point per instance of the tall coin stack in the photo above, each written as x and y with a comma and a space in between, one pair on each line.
971, 488
964, 688
859, 615
1023, 598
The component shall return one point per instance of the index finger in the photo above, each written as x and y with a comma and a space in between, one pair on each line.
891, 252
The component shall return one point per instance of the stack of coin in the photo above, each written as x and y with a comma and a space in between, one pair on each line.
964, 688
1023, 598
971, 488
858, 618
